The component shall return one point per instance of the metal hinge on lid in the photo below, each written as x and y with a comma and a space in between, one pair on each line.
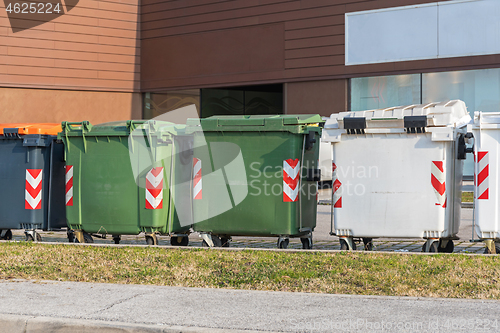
415, 124
355, 125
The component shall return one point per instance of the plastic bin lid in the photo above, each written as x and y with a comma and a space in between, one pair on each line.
264, 122
451, 113
35, 128
119, 128
484, 118
116, 128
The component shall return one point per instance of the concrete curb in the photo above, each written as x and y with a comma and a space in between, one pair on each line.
38, 324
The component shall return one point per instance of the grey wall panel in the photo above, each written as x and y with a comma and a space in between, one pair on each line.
430, 31
469, 28
404, 33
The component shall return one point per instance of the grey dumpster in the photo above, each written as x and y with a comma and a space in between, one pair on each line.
32, 179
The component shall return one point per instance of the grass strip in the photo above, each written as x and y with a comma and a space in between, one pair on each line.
467, 196
440, 275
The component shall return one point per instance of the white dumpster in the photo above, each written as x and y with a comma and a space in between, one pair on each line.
486, 130
398, 173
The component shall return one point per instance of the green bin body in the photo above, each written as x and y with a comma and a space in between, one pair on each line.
108, 196
255, 204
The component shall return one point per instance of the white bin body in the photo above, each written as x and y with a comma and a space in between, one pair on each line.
486, 130
389, 182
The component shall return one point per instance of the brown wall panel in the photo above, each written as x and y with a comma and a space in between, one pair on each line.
92, 84
313, 40
319, 21
217, 81
259, 49
95, 46
200, 28
303, 14
36, 33
322, 97
313, 62
312, 52
169, 12
99, 31
315, 32
63, 105
156, 20
379, 4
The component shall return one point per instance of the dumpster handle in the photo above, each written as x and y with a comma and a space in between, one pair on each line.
300, 181
83, 124
473, 192
171, 201
331, 210
51, 175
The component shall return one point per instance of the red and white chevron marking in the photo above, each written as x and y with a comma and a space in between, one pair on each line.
69, 185
154, 188
197, 186
438, 180
483, 167
336, 188
33, 192
291, 170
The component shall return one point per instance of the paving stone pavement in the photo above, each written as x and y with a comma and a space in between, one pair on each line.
321, 237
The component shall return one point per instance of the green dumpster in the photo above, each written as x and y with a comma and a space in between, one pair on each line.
123, 178
255, 176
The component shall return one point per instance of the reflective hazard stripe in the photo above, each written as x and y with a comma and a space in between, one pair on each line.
197, 185
291, 170
438, 181
483, 175
336, 188
69, 185
33, 189
154, 188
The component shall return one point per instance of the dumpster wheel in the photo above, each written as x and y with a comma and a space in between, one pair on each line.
344, 245
117, 239
224, 240
71, 236
446, 246
431, 246
283, 242
487, 250
368, 243
151, 239
216, 242
87, 238
29, 237
307, 243
7, 235
179, 240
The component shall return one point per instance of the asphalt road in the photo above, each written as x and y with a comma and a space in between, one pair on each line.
157, 309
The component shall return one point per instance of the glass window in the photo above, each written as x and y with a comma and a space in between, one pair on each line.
247, 100
479, 89
222, 102
156, 104
379, 92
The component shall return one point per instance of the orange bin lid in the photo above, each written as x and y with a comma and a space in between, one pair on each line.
35, 128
